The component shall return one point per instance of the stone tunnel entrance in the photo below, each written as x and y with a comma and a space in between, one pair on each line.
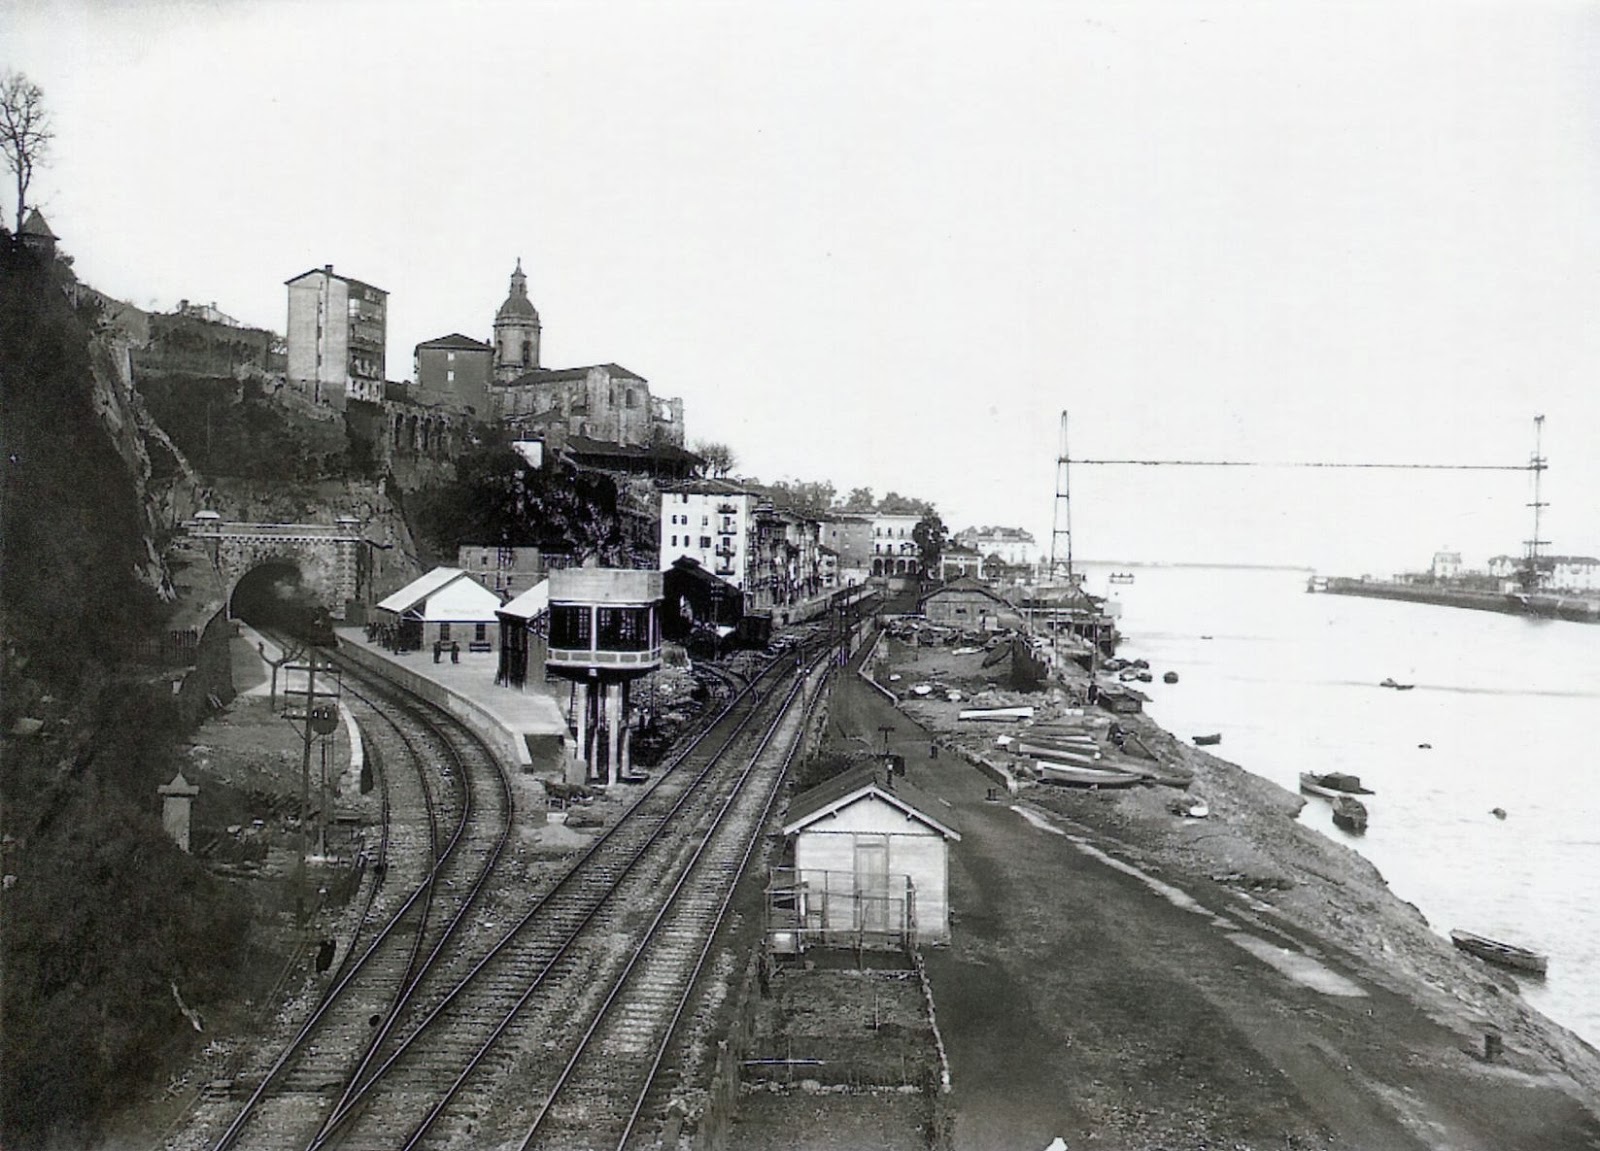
275, 597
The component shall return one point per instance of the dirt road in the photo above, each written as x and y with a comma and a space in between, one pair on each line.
1088, 999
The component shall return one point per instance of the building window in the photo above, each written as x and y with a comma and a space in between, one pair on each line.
480, 632
450, 375
450, 357
444, 632
624, 629
569, 626
705, 541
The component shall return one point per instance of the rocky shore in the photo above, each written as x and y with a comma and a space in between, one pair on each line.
1250, 842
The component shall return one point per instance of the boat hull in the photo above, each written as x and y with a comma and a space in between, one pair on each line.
1077, 775
1500, 954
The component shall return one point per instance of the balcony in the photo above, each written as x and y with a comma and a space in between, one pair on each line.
646, 660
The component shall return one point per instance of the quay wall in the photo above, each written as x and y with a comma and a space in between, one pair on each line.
1418, 593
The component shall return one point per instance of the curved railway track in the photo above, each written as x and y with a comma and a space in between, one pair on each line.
478, 998
465, 1072
447, 815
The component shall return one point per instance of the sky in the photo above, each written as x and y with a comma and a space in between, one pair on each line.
889, 244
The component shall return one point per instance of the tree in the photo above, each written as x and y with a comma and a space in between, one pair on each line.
719, 458
859, 500
895, 504
24, 132
930, 535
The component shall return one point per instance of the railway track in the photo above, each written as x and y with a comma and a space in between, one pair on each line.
447, 816
482, 1032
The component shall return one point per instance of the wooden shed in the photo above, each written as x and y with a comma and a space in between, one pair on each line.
871, 864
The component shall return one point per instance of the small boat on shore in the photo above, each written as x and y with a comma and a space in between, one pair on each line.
1170, 677
1332, 784
1120, 578
1079, 755
996, 714
1079, 775
1208, 740
1397, 686
1504, 954
1349, 813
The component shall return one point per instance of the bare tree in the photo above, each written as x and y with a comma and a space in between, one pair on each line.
719, 458
24, 132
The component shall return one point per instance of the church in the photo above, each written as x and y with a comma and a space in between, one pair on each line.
600, 402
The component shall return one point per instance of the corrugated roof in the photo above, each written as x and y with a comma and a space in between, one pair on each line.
850, 787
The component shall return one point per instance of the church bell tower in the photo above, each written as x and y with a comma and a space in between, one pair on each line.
516, 331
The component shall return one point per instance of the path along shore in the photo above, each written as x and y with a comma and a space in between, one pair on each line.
1121, 976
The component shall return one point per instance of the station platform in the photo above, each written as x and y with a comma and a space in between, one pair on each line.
527, 726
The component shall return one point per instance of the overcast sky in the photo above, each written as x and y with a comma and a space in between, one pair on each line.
887, 244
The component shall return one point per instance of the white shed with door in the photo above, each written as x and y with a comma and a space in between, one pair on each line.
871, 860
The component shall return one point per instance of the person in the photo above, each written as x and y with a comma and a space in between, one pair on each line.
437, 647
455, 652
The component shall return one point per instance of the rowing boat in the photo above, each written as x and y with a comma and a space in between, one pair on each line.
1079, 775
1504, 954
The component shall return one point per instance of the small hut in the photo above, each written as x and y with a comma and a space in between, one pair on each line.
871, 863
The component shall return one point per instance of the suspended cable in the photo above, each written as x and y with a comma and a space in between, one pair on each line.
1313, 464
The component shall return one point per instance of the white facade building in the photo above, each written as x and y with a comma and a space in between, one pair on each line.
894, 545
712, 522
337, 334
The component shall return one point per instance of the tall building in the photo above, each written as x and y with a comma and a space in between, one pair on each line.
516, 331
337, 333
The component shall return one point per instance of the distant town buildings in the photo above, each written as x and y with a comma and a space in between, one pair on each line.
337, 333
1015, 546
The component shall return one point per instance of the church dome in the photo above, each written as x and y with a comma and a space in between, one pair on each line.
518, 308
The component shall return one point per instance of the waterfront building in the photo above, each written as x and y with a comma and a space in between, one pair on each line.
968, 603
1015, 547
1446, 565
337, 334
604, 635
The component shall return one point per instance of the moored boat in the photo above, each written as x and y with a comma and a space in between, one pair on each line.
1079, 775
1397, 686
1349, 813
1504, 954
1208, 740
1332, 784
1170, 677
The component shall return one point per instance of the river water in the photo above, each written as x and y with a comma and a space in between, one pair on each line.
1508, 708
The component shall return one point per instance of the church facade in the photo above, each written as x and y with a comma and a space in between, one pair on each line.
597, 401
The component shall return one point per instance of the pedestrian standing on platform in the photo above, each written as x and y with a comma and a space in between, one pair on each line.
455, 652
437, 648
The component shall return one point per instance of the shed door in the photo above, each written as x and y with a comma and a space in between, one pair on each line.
872, 882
